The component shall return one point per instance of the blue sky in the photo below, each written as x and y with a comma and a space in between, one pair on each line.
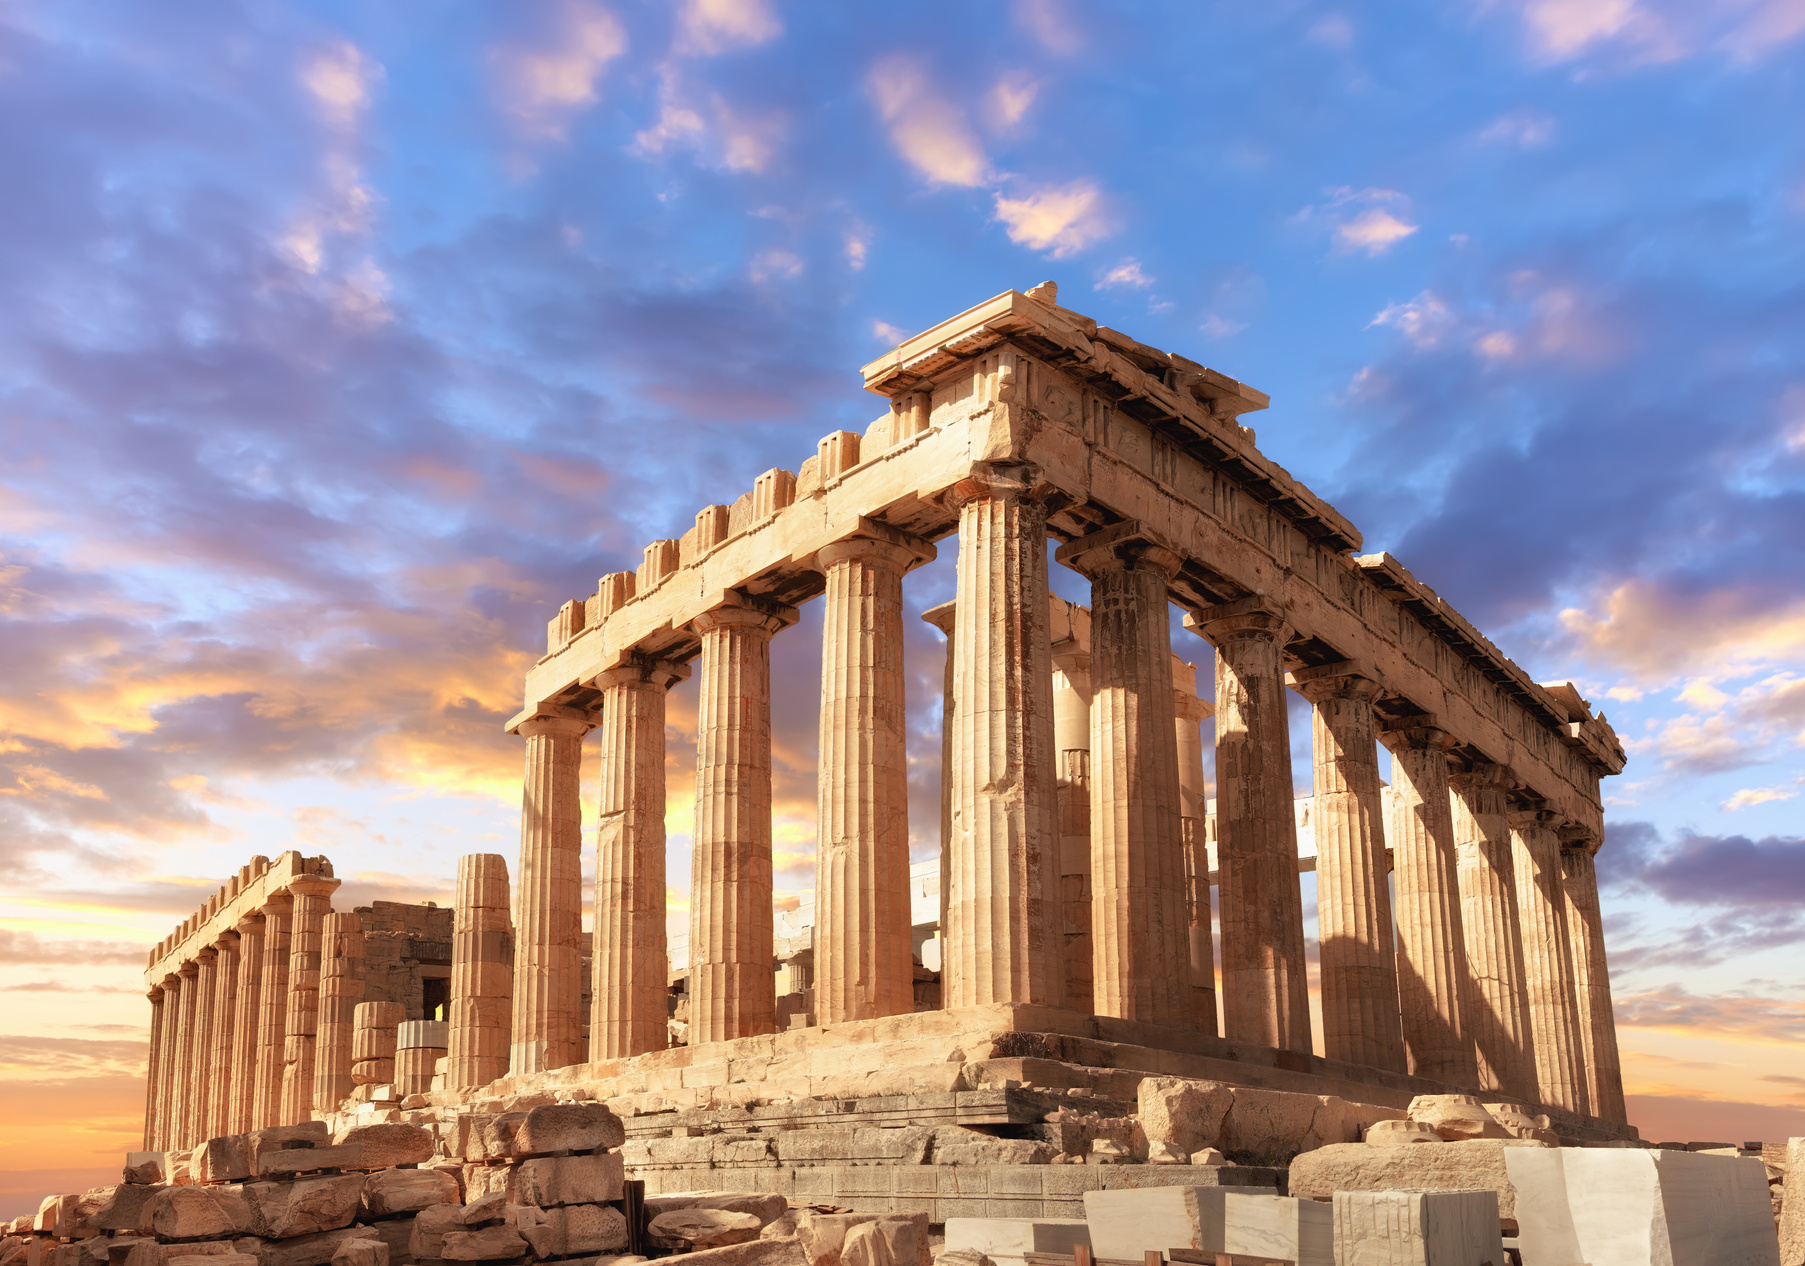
339, 344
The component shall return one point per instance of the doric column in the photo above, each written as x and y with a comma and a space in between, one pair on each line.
863, 964
1497, 1009
153, 1069
272, 1029
1140, 928
341, 989
1263, 974
246, 1030
732, 963
168, 1044
225, 1033
1592, 979
548, 950
482, 975
200, 1054
1548, 962
312, 894
1072, 744
419, 1046
1189, 713
941, 617
1003, 910
181, 1101
1432, 956
1353, 892
632, 968
374, 1026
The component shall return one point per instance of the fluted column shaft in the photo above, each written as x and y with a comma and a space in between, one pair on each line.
312, 894
1140, 928
632, 967
225, 1032
1264, 980
185, 1080
1497, 1006
732, 978
1003, 909
863, 960
1592, 983
1548, 962
153, 1079
1072, 748
168, 1044
548, 949
246, 1030
1189, 713
1432, 957
341, 989
1358, 963
942, 618
482, 974
272, 1029
200, 1055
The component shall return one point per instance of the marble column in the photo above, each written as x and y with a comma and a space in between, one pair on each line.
1189, 713
1432, 956
1592, 980
1003, 910
272, 1027
941, 617
482, 975
312, 894
1072, 743
631, 961
225, 1031
182, 1099
341, 989
153, 1079
374, 1026
732, 956
1264, 980
1358, 962
548, 950
168, 1043
242, 1091
1497, 1008
1548, 962
1140, 927
200, 1054
863, 958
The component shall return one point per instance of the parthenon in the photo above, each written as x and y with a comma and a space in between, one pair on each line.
1459, 935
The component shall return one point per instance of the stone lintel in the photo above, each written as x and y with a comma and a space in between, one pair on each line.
546, 712
1127, 542
256, 887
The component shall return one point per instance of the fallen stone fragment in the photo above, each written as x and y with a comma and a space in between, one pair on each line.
1455, 1117
194, 1213
389, 1143
490, 1243
1400, 1133
147, 1168
118, 1208
280, 1164
556, 1180
578, 1228
361, 1253
1466, 1165
962, 1145
488, 1209
1517, 1123
1209, 1156
750, 1253
568, 1127
892, 1240
685, 1229
822, 1235
495, 1139
1161, 1153
281, 1211
428, 1238
394, 1191
312, 1250
767, 1207
1181, 1112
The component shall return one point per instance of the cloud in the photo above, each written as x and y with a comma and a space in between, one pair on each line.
703, 121
718, 26
23, 947
1652, 31
1009, 100
1424, 321
340, 78
1368, 220
545, 82
1127, 274
1525, 129
1050, 23
927, 130
1673, 1009
1214, 326
68, 1056
1058, 219
1751, 796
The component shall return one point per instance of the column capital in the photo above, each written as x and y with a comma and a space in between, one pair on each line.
551, 718
227, 940
1482, 775
204, 955
1256, 615
1344, 679
941, 617
154, 993
997, 480
312, 886
1418, 733
252, 922
1126, 546
172, 981
1189, 707
636, 668
1578, 837
277, 903
1534, 820
741, 610
879, 541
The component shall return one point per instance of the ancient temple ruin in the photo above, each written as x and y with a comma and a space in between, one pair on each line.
1069, 951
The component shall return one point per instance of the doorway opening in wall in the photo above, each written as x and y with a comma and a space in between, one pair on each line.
435, 998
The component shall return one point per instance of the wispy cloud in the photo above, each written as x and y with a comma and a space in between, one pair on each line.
1127, 274
717, 26
1362, 220
1058, 219
929, 131
547, 80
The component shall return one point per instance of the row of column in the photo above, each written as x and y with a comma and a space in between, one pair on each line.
1465, 998
234, 1031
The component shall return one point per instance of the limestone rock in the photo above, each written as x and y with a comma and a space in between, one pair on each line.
488, 1244
1466, 1165
308, 1207
406, 1191
228, 1159
1520, 1125
765, 1206
822, 1235
312, 1250
1267, 1127
481, 1181
963, 1145
214, 1259
568, 1127
361, 1253
1399, 1133
1181, 1112
488, 1208
146, 1168
303, 1160
892, 1240
389, 1143
556, 1180
1455, 1117
118, 1208
1792, 1206
578, 1228
428, 1238
195, 1213
750, 1253
1162, 1153
1108, 1152
494, 1140
1209, 1156
685, 1229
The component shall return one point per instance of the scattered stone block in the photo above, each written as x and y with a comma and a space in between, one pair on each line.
1209, 1156
283, 1210
361, 1253
767, 1207
488, 1208
487, 1244
823, 1235
962, 1145
282, 1163
1183, 1113
1006, 1241
892, 1240
195, 1213
227, 1159
146, 1168
1469, 1165
389, 1143
395, 1191
568, 1127
686, 1229
494, 1138
312, 1250
481, 1181
1519, 1124
1615, 1207
578, 1228
118, 1208
555, 1180
1400, 1133
1159, 1153
1300, 1231
1455, 1117
428, 1238
1126, 1222
1417, 1228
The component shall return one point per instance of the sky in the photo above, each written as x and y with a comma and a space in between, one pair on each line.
341, 343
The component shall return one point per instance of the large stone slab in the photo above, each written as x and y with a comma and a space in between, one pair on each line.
1300, 1231
312, 1250
1417, 1228
892, 1240
1125, 1223
118, 1208
195, 1213
395, 1191
568, 1127
283, 1210
1005, 1240
556, 1180
578, 1228
1633, 1207
1469, 1165
388, 1143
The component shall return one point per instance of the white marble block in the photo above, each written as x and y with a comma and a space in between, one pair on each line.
1628, 1207
1301, 1231
1006, 1240
1417, 1228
